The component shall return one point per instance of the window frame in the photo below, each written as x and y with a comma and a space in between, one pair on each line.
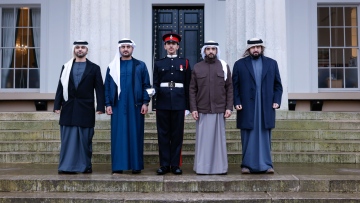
27, 89
317, 47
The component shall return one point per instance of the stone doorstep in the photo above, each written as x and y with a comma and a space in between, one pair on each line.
288, 178
184, 183
243, 197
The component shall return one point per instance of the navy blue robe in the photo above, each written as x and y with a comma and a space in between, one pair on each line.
127, 125
256, 143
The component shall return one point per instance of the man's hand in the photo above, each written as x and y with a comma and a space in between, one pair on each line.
99, 112
276, 105
57, 111
227, 113
144, 109
195, 115
109, 110
238, 107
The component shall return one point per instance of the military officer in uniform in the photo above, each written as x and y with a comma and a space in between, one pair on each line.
171, 77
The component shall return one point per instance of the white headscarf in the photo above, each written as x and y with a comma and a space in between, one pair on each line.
252, 43
215, 44
67, 69
114, 65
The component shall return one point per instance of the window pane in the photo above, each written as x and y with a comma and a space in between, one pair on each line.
323, 58
350, 16
23, 20
351, 57
337, 16
337, 59
337, 37
351, 76
7, 76
34, 78
21, 78
35, 17
323, 76
8, 17
8, 39
351, 37
32, 58
323, 16
337, 78
22, 37
324, 37
7, 58
21, 58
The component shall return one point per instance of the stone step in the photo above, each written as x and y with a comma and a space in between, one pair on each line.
161, 197
150, 124
189, 145
188, 157
185, 183
22, 135
305, 183
280, 115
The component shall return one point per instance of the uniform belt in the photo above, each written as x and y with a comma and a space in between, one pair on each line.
171, 84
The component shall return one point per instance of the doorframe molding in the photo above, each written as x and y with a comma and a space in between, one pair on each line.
141, 24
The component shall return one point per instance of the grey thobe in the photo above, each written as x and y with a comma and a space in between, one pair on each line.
210, 146
256, 143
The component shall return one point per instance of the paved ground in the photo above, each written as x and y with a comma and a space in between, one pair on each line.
234, 169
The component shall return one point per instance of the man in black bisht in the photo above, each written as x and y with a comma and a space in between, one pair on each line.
75, 102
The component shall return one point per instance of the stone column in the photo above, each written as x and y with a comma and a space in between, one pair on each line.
102, 23
265, 19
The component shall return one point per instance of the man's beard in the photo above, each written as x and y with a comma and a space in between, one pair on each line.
256, 56
210, 59
82, 55
126, 54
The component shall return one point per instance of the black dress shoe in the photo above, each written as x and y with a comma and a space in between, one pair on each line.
163, 170
115, 172
176, 170
88, 170
66, 172
136, 171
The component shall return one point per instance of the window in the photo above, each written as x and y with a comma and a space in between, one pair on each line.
337, 29
20, 48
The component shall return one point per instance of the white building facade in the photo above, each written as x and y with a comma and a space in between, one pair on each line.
315, 42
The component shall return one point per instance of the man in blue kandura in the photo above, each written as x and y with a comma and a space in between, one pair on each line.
257, 93
127, 101
75, 102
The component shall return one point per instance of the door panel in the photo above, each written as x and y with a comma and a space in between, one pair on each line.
187, 22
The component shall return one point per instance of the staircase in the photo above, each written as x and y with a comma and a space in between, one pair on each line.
316, 158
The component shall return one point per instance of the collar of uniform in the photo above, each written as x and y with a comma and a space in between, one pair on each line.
171, 56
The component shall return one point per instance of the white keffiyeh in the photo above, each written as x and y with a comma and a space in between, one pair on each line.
114, 65
65, 78
223, 63
65, 75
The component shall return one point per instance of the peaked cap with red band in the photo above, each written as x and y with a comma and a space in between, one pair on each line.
171, 37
